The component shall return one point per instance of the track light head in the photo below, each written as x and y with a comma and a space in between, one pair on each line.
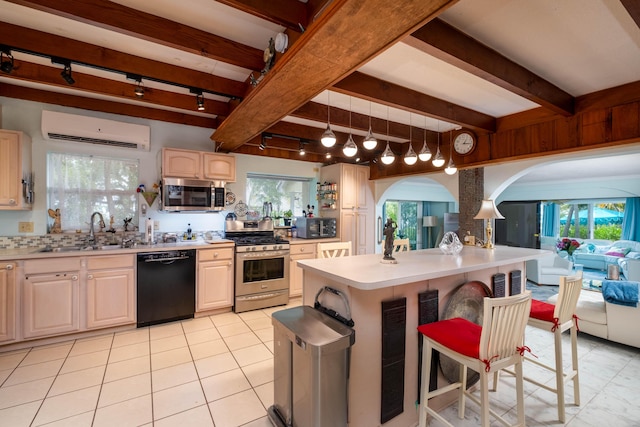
66, 74
139, 89
200, 102
6, 63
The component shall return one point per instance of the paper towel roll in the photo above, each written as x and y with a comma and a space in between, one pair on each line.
148, 231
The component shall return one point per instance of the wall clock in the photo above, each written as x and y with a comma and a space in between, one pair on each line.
464, 143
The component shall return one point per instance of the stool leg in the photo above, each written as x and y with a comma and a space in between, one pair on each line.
484, 398
427, 355
462, 398
557, 337
520, 392
574, 365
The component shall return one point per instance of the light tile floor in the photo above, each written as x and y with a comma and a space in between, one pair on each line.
218, 371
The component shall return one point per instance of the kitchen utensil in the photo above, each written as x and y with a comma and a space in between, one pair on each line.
231, 216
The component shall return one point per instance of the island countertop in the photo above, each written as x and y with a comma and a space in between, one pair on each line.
366, 272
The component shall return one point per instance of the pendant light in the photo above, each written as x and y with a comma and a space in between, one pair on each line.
328, 138
387, 156
425, 153
370, 142
438, 160
410, 158
350, 148
451, 169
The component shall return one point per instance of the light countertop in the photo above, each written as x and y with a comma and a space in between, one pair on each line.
366, 272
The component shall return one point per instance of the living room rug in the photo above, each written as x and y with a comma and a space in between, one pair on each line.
543, 292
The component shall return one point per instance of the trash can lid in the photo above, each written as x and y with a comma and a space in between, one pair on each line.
312, 326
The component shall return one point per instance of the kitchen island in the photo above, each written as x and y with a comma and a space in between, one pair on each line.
367, 283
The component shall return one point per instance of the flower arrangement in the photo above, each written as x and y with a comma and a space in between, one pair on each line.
569, 245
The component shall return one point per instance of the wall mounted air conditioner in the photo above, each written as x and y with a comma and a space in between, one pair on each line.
91, 130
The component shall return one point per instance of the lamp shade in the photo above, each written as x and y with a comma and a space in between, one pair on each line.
488, 210
429, 221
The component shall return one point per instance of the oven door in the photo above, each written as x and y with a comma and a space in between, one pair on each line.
258, 272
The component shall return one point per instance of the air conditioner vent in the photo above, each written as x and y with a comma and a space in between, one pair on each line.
91, 140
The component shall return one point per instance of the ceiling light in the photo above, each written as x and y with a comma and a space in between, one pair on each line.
370, 142
263, 145
66, 74
451, 168
6, 64
328, 138
328, 155
301, 149
425, 153
139, 89
387, 156
200, 101
410, 158
350, 148
438, 160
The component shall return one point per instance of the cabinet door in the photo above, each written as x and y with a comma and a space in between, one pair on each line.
10, 170
348, 230
219, 167
215, 285
50, 304
181, 163
365, 195
365, 233
349, 192
7, 301
110, 298
298, 252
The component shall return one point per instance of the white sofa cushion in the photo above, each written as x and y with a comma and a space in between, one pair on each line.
591, 307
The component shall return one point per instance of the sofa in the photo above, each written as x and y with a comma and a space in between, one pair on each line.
548, 269
595, 255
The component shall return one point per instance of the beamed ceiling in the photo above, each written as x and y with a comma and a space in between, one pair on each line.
413, 69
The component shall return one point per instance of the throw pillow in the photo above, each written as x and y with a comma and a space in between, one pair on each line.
634, 255
591, 248
619, 252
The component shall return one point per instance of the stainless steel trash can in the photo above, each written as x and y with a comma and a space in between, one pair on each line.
311, 369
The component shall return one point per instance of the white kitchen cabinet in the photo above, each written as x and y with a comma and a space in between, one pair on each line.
50, 300
111, 291
15, 164
356, 213
298, 252
7, 301
178, 163
215, 279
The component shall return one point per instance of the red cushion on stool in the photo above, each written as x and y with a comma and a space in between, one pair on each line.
542, 310
458, 334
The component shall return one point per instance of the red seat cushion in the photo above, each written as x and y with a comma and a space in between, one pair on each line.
458, 334
542, 310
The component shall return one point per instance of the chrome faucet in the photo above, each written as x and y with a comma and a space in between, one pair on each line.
92, 236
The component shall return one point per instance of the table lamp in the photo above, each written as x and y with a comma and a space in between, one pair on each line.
489, 212
429, 222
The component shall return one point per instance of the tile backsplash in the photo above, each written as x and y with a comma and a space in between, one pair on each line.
57, 240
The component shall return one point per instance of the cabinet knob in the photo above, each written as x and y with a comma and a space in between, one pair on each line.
301, 249
215, 255
9, 266
90, 276
12, 202
74, 277
229, 263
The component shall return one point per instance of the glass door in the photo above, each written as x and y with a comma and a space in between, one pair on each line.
406, 215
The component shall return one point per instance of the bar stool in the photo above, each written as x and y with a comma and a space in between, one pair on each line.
486, 349
557, 319
333, 249
401, 245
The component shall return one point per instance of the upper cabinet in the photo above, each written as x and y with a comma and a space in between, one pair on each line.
178, 163
15, 168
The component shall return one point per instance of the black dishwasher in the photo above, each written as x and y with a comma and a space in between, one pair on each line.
166, 286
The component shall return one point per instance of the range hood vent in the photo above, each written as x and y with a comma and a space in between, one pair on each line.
91, 130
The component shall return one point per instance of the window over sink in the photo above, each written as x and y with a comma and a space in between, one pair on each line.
283, 192
80, 184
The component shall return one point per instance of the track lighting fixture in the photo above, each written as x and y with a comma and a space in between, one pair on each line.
438, 160
410, 158
425, 153
139, 89
301, 149
370, 142
451, 168
263, 144
350, 148
328, 138
66, 74
328, 155
387, 156
6, 63
200, 102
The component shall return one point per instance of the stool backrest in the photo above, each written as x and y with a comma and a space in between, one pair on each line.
503, 324
333, 249
401, 245
568, 294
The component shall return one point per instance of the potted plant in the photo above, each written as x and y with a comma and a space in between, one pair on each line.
287, 217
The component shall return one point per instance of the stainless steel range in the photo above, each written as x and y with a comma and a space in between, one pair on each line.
262, 265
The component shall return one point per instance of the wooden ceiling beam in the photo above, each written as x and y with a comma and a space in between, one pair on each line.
345, 35
121, 108
31, 72
633, 8
383, 92
131, 22
289, 14
442, 41
26, 39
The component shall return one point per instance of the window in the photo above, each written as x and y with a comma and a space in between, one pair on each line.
284, 193
405, 214
81, 184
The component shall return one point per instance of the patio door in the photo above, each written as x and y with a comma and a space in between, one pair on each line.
406, 215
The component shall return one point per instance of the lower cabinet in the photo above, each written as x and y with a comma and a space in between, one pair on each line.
110, 291
7, 301
50, 304
215, 279
298, 252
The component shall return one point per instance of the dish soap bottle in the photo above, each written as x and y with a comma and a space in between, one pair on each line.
189, 235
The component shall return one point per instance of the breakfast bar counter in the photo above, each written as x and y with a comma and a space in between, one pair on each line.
367, 284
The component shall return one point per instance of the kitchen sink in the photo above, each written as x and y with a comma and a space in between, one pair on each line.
109, 247
61, 249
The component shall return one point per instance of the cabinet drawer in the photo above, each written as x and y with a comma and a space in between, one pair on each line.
111, 261
215, 254
52, 265
305, 248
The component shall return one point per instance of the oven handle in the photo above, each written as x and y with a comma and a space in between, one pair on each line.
264, 254
167, 259
260, 296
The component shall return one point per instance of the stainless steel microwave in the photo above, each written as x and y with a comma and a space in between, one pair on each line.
316, 228
190, 195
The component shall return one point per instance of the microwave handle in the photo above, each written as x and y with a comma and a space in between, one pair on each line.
379, 230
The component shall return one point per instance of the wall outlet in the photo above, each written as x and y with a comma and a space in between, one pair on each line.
156, 224
25, 227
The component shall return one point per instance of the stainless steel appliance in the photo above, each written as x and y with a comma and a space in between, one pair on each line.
166, 286
262, 265
316, 228
188, 195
